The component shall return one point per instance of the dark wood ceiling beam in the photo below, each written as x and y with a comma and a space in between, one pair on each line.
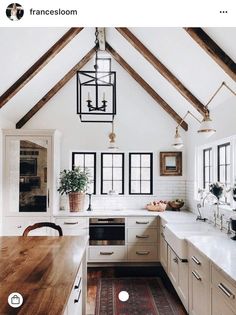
38, 65
213, 50
55, 89
161, 68
146, 87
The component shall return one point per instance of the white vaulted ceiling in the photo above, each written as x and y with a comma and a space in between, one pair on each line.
21, 47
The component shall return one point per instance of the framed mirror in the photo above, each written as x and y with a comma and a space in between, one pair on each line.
171, 163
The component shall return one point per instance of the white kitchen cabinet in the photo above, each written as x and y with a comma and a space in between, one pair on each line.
173, 267
142, 239
142, 235
31, 167
77, 301
163, 249
107, 253
199, 283
218, 304
15, 226
73, 226
31, 164
223, 293
178, 274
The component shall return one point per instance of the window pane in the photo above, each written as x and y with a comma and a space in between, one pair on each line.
117, 173
145, 173
107, 160
107, 173
90, 189
145, 187
222, 155
135, 173
228, 154
117, 160
145, 160
135, 187
206, 157
222, 174
227, 173
135, 160
117, 186
79, 160
89, 160
107, 186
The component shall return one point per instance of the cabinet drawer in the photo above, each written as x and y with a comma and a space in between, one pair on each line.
141, 221
142, 253
74, 306
142, 235
73, 226
224, 287
108, 253
15, 226
199, 262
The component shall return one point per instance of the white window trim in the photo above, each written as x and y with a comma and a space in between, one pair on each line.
199, 167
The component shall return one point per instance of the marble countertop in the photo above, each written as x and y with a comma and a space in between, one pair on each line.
168, 216
221, 250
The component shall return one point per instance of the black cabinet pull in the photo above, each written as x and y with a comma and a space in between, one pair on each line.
77, 300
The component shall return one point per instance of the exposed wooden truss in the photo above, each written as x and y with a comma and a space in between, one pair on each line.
161, 68
55, 89
146, 87
216, 53
38, 65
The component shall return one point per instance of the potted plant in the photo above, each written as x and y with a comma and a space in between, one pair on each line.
74, 183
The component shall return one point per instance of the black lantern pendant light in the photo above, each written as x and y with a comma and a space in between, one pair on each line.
96, 91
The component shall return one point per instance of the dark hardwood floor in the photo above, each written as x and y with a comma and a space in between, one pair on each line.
95, 273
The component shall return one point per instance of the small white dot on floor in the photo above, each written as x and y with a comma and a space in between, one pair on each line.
123, 296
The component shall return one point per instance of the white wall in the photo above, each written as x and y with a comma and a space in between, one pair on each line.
141, 124
4, 124
224, 118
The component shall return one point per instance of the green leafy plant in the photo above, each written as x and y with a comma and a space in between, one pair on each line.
75, 180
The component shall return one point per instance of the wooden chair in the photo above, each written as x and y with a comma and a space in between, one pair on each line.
43, 224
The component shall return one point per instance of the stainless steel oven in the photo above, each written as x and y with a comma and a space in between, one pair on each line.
107, 231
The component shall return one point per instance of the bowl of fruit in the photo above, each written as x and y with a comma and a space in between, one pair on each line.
176, 204
157, 205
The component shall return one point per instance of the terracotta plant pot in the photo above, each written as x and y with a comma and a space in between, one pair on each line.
76, 201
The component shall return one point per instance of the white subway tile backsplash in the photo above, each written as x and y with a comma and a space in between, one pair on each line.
163, 190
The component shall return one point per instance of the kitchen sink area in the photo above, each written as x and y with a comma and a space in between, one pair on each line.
176, 235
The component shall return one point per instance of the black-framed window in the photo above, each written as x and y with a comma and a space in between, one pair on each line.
86, 160
223, 166
112, 173
140, 173
207, 168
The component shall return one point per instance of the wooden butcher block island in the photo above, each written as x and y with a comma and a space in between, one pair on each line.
49, 272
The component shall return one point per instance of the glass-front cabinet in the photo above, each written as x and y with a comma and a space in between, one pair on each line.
31, 161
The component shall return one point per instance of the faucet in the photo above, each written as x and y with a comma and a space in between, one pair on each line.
199, 217
209, 194
221, 221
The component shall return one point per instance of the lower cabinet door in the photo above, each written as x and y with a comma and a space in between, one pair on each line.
107, 253
163, 251
173, 267
142, 253
218, 304
183, 283
74, 306
199, 294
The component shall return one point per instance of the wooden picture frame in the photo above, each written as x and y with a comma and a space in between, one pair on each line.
170, 163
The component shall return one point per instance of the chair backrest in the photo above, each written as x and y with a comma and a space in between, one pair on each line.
43, 224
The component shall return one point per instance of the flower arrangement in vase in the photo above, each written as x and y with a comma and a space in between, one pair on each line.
216, 189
